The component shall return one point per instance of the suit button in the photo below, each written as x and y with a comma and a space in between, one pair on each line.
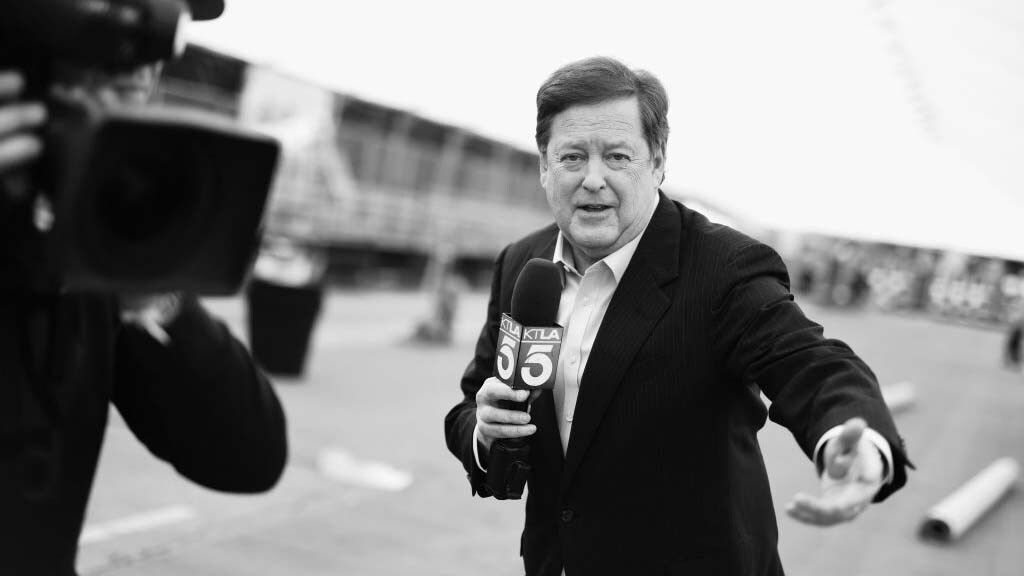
567, 515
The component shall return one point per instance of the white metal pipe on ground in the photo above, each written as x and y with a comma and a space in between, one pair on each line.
952, 517
899, 397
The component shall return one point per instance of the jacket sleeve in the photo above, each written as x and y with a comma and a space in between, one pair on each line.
461, 419
201, 403
814, 383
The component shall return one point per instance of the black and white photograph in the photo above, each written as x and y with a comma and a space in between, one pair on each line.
322, 288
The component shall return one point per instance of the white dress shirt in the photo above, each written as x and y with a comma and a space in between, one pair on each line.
585, 299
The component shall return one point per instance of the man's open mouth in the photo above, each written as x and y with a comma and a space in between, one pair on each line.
594, 207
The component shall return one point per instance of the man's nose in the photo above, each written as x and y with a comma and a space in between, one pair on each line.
593, 181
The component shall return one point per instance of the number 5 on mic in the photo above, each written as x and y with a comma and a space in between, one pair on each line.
510, 333
535, 369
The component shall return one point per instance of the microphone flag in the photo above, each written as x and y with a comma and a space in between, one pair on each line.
528, 355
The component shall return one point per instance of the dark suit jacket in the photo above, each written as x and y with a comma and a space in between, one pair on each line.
663, 473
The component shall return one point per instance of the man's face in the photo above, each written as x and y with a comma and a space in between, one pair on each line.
599, 175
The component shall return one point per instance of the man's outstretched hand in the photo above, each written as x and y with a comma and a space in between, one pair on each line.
850, 479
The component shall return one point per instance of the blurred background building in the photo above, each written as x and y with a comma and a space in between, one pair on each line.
386, 192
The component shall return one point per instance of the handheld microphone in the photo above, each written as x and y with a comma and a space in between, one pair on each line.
527, 357
530, 338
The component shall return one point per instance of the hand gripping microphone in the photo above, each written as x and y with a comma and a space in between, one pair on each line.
527, 356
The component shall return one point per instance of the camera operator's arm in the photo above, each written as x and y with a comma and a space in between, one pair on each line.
199, 401
18, 144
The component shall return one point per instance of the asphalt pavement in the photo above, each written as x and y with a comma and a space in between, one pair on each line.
371, 489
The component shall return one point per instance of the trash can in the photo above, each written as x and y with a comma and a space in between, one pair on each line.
284, 296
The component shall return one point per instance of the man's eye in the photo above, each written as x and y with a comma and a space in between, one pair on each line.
618, 160
571, 158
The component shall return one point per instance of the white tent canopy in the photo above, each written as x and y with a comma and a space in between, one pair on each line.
894, 120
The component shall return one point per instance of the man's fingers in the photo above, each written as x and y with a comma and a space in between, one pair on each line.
493, 421
849, 438
494, 390
801, 510
492, 415
839, 465
817, 517
822, 511
840, 503
21, 117
18, 150
17, 145
507, 430
842, 450
855, 494
844, 495
11, 84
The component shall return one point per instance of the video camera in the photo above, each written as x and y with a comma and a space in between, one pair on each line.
145, 200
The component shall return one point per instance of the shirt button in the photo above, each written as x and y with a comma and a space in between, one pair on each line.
573, 360
567, 515
568, 417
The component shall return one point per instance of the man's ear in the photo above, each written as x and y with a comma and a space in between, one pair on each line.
542, 163
658, 164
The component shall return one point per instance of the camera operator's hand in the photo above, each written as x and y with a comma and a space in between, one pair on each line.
18, 143
493, 421
151, 312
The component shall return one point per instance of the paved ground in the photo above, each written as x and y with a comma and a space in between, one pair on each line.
372, 407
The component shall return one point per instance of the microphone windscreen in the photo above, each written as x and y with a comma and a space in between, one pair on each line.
537, 293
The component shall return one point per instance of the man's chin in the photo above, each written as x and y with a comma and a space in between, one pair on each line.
595, 246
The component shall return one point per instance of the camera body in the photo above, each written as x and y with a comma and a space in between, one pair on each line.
125, 199
100, 33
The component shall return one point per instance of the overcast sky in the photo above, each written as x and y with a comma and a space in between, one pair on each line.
845, 116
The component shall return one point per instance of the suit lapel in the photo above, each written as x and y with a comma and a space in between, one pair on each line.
546, 248
639, 302
542, 414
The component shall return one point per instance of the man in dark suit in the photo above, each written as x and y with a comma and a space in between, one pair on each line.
645, 455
